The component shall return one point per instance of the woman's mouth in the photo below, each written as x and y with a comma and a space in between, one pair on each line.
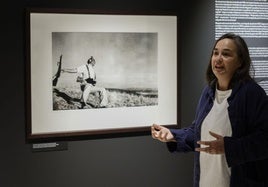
219, 69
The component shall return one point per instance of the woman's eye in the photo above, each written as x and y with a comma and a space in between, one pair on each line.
225, 54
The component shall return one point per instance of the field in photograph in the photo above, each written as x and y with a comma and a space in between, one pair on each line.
68, 98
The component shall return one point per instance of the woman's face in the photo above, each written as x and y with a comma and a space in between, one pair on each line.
224, 60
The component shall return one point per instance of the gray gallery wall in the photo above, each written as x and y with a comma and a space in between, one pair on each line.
110, 162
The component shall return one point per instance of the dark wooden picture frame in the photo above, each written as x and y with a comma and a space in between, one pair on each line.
136, 63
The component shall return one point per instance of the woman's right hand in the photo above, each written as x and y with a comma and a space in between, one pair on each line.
161, 133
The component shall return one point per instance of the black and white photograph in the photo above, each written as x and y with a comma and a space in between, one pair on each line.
99, 73
104, 69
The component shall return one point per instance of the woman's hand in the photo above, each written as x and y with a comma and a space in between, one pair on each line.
161, 133
214, 146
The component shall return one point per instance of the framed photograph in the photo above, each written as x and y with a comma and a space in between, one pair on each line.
93, 73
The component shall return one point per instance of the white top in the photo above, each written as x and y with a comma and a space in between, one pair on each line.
213, 167
86, 72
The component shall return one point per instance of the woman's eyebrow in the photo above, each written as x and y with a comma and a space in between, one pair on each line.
226, 49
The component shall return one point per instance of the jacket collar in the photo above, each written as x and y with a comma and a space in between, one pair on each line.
212, 88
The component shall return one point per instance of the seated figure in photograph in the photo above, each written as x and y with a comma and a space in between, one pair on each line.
87, 79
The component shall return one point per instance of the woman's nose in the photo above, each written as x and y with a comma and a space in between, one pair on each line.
219, 59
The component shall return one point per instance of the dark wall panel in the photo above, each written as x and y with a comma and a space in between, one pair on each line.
125, 161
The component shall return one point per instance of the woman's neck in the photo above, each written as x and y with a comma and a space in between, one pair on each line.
223, 85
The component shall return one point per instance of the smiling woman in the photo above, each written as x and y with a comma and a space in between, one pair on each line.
230, 133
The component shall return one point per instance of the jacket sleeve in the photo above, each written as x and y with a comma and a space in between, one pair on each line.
186, 137
184, 140
253, 145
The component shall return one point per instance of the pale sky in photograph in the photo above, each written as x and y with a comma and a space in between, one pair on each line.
123, 60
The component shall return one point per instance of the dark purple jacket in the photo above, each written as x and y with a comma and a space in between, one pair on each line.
247, 150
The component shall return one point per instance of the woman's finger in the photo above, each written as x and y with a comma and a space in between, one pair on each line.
217, 136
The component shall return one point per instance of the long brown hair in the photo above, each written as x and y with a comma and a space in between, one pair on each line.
243, 72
